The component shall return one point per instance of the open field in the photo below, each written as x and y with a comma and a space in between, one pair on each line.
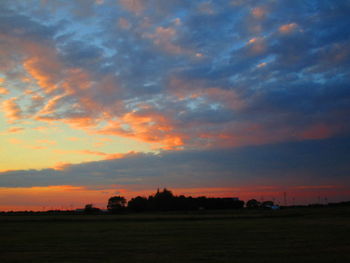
290, 235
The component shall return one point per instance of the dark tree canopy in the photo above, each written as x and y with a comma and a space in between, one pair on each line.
90, 209
138, 204
116, 204
165, 200
253, 203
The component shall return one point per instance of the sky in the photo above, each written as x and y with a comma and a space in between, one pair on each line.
249, 99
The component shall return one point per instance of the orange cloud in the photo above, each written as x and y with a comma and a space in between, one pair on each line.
3, 91
36, 147
119, 155
15, 141
135, 6
258, 12
15, 130
177, 21
257, 45
37, 99
43, 67
261, 65
123, 23
76, 79
288, 28
38, 60
44, 141
51, 106
148, 126
164, 37
246, 133
76, 122
92, 152
61, 166
106, 156
318, 131
41, 128
73, 139
12, 110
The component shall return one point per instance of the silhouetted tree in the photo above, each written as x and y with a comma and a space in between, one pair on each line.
165, 194
138, 204
237, 204
90, 209
116, 204
253, 203
164, 200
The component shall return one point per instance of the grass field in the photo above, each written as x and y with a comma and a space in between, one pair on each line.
290, 235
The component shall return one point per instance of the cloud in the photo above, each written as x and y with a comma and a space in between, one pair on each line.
45, 141
147, 125
136, 6
256, 45
164, 37
106, 156
288, 28
12, 110
124, 23
15, 130
184, 76
43, 67
3, 91
226, 94
258, 12
15, 141
292, 164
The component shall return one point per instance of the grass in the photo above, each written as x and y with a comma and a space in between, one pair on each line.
291, 235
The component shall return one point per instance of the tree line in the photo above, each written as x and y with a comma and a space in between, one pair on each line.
165, 200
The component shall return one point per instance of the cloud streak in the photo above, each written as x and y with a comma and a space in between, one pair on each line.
322, 162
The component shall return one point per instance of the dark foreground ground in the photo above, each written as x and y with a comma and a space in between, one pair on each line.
290, 235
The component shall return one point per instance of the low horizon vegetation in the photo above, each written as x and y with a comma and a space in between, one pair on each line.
165, 201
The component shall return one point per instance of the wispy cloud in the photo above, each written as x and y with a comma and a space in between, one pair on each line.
12, 110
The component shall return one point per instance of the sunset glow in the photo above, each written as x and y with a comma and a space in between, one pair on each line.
215, 98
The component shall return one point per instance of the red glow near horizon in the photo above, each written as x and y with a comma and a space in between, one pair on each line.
70, 197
